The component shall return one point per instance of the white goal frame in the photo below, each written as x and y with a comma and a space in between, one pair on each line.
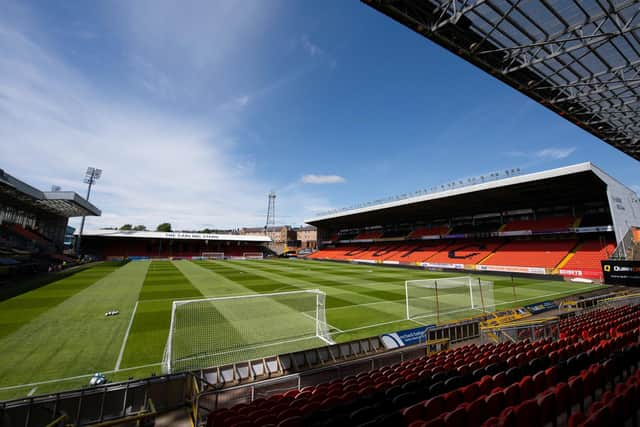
471, 282
213, 255
321, 325
253, 255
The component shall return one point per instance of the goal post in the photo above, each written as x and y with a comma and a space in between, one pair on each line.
213, 255
212, 332
434, 298
252, 255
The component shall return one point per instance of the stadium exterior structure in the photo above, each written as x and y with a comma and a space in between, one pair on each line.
38, 218
119, 244
500, 214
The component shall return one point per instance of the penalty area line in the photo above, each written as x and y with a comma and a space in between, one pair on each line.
126, 337
326, 323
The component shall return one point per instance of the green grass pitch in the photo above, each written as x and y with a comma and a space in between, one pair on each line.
55, 337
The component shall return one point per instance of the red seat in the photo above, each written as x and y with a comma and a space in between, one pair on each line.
292, 393
291, 422
551, 374
576, 420
492, 422
527, 388
495, 403
539, 382
508, 417
470, 392
576, 386
563, 397
266, 419
310, 407
500, 379
456, 418
434, 407
288, 413
452, 400
476, 412
413, 413
512, 395
486, 384
527, 414
547, 404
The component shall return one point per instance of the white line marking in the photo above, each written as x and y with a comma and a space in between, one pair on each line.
77, 377
126, 336
33, 390
326, 323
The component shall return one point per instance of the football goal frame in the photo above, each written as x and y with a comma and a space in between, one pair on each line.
253, 255
297, 324
213, 255
463, 293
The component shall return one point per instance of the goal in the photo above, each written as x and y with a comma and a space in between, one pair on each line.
448, 298
213, 255
252, 255
216, 331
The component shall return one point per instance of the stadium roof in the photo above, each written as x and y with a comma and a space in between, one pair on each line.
580, 183
62, 203
579, 58
177, 235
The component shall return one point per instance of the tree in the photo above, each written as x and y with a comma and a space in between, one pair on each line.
165, 226
140, 228
126, 227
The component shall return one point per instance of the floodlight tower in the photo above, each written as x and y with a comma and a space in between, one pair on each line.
271, 211
90, 178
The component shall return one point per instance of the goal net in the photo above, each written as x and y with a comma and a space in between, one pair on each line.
253, 255
213, 255
448, 298
216, 331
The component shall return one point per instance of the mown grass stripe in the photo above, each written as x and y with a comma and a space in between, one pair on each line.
75, 336
17, 311
150, 329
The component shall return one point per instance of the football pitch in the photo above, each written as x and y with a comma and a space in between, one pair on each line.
55, 337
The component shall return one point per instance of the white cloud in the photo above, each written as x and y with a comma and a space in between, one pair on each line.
237, 103
157, 166
323, 179
555, 153
311, 48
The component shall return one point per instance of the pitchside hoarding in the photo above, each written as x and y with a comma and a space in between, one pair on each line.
621, 272
405, 337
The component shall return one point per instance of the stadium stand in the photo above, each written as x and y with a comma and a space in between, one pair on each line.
371, 234
464, 252
114, 244
519, 225
421, 253
509, 384
426, 231
531, 253
544, 224
589, 254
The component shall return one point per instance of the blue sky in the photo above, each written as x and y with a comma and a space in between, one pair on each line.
196, 110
